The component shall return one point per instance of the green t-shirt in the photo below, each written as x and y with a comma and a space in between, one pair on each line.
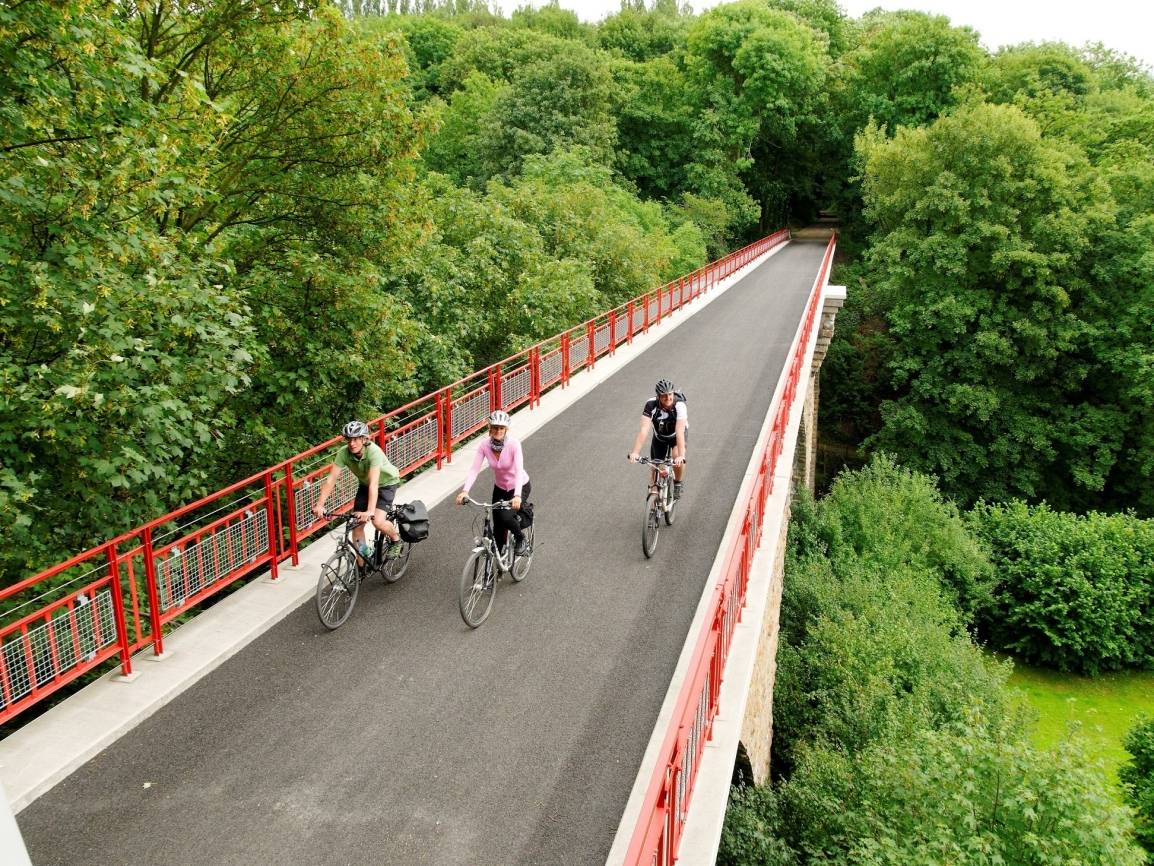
370, 457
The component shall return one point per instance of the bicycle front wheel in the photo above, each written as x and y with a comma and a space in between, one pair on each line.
670, 504
652, 526
337, 589
521, 564
395, 567
478, 588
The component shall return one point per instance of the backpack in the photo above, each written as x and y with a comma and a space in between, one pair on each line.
413, 521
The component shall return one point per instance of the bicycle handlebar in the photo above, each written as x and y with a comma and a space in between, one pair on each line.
651, 462
496, 506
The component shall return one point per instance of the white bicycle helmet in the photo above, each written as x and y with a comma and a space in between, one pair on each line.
355, 430
499, 418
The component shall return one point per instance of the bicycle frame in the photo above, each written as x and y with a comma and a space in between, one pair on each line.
662, 479
487, 540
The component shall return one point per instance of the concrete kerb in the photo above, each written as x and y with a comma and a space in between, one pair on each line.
702, 831
48, 749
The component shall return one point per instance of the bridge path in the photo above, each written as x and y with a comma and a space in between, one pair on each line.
406, 738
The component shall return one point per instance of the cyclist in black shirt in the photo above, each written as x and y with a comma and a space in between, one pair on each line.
667, 417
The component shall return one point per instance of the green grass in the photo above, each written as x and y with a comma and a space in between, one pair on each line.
1106, 707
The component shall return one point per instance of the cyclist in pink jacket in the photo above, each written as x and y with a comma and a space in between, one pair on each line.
510, 480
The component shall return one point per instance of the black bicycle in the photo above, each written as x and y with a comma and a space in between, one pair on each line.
660, 503
342, 573
487, 562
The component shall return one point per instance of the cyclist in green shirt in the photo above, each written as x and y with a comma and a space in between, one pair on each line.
377, 485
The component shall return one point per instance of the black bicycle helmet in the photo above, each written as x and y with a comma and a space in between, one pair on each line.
664, 387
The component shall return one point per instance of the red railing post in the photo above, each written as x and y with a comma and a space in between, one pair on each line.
153, 593
118, 611
495, 401
564, 359
291, 506
648, 304
447, 427
629, 328
612, 331
273, 529
535, 375
591, 337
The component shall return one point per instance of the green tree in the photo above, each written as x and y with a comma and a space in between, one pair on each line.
757, 73
641, 34
1137, 777
121, 343
983, 237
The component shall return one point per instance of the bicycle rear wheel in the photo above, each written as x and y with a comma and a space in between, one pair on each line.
478, 587
652, 526
337, 589
394, 567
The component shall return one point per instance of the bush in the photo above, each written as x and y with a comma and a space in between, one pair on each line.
893, 517
1137, 777
752, 830
870, 654
872, 647
1074, 592
973, 793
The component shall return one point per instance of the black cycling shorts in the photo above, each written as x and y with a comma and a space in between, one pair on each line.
659, 449
385, 497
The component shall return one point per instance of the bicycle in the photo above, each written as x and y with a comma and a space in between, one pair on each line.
343, 572
487, 563
660, 503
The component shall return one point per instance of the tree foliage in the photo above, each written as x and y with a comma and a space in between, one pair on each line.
1137, 777
982, 264
966, 793
1074, 592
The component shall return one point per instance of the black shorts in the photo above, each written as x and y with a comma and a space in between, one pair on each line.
659, 449
385, 497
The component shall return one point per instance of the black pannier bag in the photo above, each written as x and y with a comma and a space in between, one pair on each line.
525, 515
413, 522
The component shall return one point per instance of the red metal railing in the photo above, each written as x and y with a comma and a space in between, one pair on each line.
116, 598
657, 836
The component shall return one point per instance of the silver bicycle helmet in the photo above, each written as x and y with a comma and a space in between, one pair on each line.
355, 430
500, 418
664, 387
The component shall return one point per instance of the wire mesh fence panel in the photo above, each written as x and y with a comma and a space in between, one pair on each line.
601, 339
221, 554
578, 353
470, 413
620, 330
414, 444
66, 641
551, 368
638, 318
516, 387
306, 495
